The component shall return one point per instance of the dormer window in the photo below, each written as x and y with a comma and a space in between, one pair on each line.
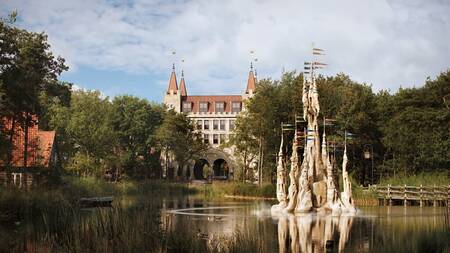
220, 106
236, 107
187, 107
203, 107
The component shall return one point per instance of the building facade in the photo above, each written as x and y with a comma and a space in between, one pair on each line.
32, 153
215, 117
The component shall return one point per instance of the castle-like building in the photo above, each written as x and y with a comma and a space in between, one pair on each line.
215, 117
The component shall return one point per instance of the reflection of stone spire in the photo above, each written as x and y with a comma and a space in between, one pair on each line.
313, 234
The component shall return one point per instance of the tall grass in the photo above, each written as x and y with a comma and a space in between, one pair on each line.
426, 179
49, 220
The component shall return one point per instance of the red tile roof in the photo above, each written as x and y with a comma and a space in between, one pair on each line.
183, 87
212, 100
40, 144
173, 83
251, 82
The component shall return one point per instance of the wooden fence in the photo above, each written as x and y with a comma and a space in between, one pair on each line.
410, 195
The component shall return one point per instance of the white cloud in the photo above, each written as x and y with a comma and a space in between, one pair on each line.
384, 42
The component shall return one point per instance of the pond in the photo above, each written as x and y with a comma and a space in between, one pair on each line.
372, 229
193, 223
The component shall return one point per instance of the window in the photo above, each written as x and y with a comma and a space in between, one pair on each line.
199, 124
206, 138
223, 138
203, 106
222, 124
236, 107
206, 125
187, 106
232, 124
215, 139
215, 124
220, 106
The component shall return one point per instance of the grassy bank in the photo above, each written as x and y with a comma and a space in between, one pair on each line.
222, 189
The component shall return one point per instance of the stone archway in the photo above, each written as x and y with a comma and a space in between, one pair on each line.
199, 173
221, 158
220, 169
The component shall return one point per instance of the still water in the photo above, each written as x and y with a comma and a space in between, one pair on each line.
372, 229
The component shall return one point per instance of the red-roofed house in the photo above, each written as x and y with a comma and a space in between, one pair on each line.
40, 152
215, 117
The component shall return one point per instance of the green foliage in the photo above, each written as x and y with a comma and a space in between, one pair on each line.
28, 69
135, 122
177, 135
415, 127
96, 135
407, 131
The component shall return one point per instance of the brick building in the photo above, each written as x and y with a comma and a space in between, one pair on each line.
215, 117
27, 158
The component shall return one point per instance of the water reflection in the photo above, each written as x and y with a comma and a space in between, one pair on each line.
310, 233
373, 229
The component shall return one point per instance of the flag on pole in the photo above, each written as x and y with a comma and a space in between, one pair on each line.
318, 51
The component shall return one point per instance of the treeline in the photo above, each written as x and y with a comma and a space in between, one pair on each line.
406, 132
122, 136
94, 134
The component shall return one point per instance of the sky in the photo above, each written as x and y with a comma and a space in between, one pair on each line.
126, 47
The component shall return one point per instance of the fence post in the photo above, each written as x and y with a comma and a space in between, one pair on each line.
448, 196
389, 195
420, 196
405, 201
434, 196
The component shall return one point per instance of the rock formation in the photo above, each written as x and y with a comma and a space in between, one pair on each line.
313, 184
281, 181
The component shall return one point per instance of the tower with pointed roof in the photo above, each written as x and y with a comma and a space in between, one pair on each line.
172, 99
251, 85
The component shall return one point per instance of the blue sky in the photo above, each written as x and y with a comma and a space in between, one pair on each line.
125, 47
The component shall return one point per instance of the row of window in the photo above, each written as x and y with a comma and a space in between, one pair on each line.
216, 124
216, 138
219, 107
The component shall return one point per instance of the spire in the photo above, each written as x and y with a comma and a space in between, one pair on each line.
173, 87
183, 85
251, 82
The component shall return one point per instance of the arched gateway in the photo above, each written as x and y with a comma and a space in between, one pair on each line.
215, 164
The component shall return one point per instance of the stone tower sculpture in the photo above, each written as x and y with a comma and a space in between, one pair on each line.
281, 181
313, 184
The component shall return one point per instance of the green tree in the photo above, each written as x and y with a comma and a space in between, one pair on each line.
90, 132
135, 121
27, 68
177, 136
415, 127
